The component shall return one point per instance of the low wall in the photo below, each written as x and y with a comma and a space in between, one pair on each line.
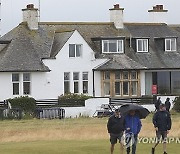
94, 104
91, 105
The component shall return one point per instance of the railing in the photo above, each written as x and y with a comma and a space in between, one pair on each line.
48, 109
138, 100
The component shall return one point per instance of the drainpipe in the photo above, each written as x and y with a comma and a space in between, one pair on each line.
93, 85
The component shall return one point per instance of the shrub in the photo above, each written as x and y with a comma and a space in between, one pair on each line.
177, 104
25, 103
71, 100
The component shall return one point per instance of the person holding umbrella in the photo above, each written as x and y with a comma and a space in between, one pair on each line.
132, 128
162, 124
115, 128
133, 113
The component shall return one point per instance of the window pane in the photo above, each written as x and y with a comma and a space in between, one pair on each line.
117, 88
26, 76
105, 43
112, 46
66, 87
125, 75
173, 44
66, 75
15, 77
71, 50
120, 45
163, 80
75, 76
133, 75
144, 45
15, 88
107, 75
85, 87
117, 75
85, 75
168, 46
107, 88
26, 88
76, 87
78, 50
139, 45
125, 88
175, 82
148, 83
134, 88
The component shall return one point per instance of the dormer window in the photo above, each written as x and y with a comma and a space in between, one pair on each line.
142, 45
112, 46
170, 44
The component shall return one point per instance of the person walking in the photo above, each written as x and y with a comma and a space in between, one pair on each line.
157, 103
162, 124
132, 128
167, 104
115, 128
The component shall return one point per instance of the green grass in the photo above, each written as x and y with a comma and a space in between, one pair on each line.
72, 136
75, 147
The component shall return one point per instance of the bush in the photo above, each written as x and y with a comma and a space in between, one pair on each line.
177, 104
25, 103
72, 100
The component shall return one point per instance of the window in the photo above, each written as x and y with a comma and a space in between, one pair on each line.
21, 83
76, 82
120, 83
66, 82
85, 82
26, 83
113, 46
75, 50
142, 45
15, 81
170, 44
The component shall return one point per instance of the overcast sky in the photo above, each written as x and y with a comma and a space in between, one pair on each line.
85, 10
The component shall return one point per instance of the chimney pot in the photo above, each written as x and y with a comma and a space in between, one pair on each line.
30, 6
116, 6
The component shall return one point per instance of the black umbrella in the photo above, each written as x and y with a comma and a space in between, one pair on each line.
140, 110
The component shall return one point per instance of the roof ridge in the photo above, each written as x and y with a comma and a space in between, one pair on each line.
75, 23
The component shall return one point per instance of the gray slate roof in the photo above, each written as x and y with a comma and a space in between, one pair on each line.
23, 50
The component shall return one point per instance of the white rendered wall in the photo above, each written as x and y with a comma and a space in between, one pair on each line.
63, 63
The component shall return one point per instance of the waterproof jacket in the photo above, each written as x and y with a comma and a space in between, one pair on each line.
134, 123
162, 120
115, 124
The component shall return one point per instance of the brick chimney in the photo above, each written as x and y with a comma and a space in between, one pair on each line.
116, 16
158, 14
30, 15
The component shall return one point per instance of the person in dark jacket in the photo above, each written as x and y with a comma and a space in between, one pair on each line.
157, 103
115, 128
132, 128
168, 104
162, 124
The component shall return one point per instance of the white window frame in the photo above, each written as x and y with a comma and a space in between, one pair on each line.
81, 45
76, 80
170, 39
15, 82
21, 84
28, 81
85, 80
67, 80
117, 46
147, 43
